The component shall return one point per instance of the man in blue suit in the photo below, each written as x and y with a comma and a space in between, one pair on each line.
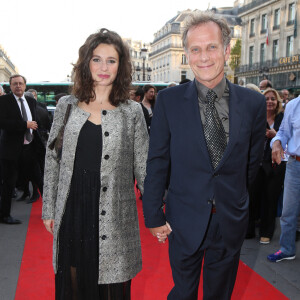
210, 134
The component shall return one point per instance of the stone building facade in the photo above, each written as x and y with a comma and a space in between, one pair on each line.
7, 68
141, 65
270, 43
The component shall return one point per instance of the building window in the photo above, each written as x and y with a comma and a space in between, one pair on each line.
262, 52
291, 16
275, 49
252, 23
183, 60
251, 53
276, 19
183, 75
289, 45
264, 23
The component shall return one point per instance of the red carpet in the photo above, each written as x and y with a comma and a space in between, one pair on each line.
36, 280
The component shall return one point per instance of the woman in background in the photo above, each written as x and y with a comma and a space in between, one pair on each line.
268, 184
89, 202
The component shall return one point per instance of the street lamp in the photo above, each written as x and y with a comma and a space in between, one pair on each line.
138, 70
144, 55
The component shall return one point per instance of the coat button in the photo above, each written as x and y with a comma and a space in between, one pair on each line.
104, 189
106, 133
103, 237
216, 175
103, 213
104, 112
106, 156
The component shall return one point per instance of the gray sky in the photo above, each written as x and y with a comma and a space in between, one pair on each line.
42, 37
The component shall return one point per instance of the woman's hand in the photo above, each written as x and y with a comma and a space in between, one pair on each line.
49, 224
270, 133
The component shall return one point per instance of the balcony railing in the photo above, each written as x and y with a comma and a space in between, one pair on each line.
174, 31
276, 27
165, 48
290, 22
251, 5
261, 67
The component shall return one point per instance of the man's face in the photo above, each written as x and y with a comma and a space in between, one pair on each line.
263, 85
18, 86
285, 94
132, 94
206, 54
150, 94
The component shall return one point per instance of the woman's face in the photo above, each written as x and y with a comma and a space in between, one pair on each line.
271, 101
104, 65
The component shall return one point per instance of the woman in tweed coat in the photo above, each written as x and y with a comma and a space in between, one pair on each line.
92, 212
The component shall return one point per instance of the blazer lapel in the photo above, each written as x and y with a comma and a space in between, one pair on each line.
15, 105
191, 107
235, 120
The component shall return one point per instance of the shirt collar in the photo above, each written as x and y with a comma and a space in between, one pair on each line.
218, 89
17, 98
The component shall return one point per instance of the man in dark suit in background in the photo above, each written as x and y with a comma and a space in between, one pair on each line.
211, 133
18, 144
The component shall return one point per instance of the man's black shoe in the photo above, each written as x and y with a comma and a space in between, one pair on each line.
250, 235
24, 197
33, 198
10, 220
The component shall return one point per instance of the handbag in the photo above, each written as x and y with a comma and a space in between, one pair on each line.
57, 143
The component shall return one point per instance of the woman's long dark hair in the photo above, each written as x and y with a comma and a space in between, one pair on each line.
83, 87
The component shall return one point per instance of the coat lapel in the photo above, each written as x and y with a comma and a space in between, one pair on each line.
191, 107
15, 105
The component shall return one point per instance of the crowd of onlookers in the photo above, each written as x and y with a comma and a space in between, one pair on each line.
273, 192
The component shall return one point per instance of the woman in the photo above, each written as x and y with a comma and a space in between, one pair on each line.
269, 180
89, 202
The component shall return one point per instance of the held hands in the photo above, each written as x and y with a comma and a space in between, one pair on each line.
162, 232
277, 152
49, 224
32, 125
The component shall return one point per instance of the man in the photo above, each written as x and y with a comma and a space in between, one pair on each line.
288, 134
285, 96
211, 133
264, 84
18, 144
149, 98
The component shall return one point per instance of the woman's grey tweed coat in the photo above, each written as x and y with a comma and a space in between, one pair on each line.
124, 155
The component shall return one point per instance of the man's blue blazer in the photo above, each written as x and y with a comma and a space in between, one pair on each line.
177, 142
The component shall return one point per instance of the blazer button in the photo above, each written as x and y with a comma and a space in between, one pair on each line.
106, 156
103, 237
106, 133
104, 189
103, 213
104, 112
216, 175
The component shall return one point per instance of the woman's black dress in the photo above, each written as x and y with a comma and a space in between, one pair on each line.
78, 256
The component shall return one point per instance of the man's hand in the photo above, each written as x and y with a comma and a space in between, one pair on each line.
277, 152
162, 232
32, 125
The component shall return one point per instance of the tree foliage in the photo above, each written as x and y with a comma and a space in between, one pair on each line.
235, 55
